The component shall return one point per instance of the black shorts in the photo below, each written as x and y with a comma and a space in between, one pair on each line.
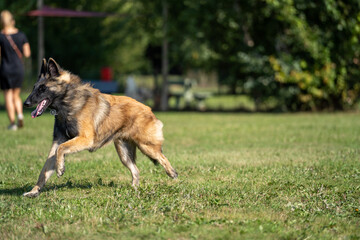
11, 81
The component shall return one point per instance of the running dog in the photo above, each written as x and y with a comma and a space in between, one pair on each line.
86, 119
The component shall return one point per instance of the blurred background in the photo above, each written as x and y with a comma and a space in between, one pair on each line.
205, 55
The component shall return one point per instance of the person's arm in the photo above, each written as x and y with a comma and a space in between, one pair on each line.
26, 50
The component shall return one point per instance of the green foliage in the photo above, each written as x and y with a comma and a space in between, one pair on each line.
306, 54
323, 61
84, 45
241, 176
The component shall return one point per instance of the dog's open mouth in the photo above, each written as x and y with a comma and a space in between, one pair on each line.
40, 108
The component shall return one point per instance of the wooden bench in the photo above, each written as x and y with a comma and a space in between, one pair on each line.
187, 93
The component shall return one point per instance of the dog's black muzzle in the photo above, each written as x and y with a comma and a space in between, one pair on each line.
27, 103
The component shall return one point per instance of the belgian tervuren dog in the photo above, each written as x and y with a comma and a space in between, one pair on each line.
86, 119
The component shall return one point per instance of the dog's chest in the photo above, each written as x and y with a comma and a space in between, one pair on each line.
66, 127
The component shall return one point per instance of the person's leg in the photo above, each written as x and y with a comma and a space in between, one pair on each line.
18, 106
9, 104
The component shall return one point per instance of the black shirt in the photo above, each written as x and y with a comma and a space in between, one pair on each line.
12, 68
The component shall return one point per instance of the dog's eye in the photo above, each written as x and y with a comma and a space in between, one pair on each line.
42, 88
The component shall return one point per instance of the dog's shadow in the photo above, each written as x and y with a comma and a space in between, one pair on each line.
19, 191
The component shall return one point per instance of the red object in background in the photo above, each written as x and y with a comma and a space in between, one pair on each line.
106, 74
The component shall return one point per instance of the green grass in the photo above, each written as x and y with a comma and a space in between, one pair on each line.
219, 103
252, 176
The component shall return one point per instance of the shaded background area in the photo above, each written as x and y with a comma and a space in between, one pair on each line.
272, 55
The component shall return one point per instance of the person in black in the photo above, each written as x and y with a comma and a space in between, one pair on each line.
14, 46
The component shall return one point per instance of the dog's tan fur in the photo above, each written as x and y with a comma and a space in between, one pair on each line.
100, 118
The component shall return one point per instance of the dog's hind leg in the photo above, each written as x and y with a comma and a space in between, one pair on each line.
46, 171
127, 153
154, 153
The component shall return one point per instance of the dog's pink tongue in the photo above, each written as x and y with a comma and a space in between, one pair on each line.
39, 109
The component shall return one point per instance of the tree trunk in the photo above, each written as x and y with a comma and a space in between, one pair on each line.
156, 92
164, 61
41, 49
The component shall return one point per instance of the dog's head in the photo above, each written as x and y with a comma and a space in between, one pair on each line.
50, 86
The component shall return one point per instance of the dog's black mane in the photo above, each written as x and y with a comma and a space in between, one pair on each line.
75, 96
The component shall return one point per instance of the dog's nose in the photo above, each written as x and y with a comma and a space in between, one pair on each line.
27, 103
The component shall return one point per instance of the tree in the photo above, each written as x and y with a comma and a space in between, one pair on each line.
305, 54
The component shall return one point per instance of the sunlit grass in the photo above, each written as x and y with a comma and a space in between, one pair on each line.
240, 176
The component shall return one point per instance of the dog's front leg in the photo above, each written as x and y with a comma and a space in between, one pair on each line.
46, 171
76, 144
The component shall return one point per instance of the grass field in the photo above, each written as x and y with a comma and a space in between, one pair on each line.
252, 176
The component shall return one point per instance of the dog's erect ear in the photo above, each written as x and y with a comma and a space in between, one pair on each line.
43, 67
53, 68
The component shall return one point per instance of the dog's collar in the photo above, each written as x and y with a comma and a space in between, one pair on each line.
53, 112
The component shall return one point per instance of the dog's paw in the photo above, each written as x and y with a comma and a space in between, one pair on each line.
175, 175
31, 194
60, 171
172, 173
135, 184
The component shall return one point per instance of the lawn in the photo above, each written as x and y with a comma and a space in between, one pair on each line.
252, 176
